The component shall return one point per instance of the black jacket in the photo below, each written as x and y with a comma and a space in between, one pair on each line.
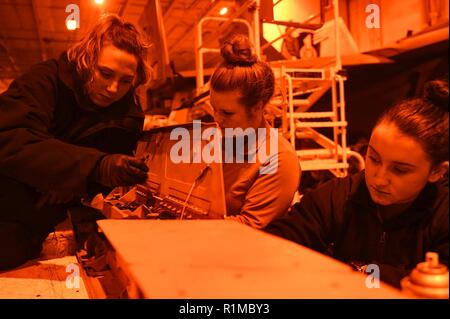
51, 136
340, 219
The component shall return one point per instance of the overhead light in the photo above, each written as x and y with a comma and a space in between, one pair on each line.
71, 24
99, 1
223, 11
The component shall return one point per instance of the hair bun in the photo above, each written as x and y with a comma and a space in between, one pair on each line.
436, 92
237, 50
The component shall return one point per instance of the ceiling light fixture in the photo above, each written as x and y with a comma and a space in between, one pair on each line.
71, 24
223, 11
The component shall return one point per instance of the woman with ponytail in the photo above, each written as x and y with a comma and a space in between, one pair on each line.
396, 210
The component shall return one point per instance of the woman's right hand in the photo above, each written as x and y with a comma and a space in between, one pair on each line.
120, 170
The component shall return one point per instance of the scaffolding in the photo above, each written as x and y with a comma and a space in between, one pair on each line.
299, 123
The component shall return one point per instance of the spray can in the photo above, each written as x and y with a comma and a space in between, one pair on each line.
428, 280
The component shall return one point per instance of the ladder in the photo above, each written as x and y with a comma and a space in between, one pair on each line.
302, 126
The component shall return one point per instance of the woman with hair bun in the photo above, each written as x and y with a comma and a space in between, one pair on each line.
396, 210
68, 127
258, 189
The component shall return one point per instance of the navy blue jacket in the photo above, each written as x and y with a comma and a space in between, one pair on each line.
51, 136
340, 219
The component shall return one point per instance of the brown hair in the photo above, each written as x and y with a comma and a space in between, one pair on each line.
425, 119
242, 71
123, 35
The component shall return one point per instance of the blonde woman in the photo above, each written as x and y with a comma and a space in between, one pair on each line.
67, 128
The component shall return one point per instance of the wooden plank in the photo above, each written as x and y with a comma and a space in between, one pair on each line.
225, 259
54, 275
41, 279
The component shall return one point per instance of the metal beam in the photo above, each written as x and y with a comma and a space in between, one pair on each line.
192, 26
3, 42
5, 83
8, 54
169, 9
59, 38
37, 21
162, 32
3, 86
122, 8
16, 10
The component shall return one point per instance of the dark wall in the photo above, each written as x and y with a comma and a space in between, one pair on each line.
370, 89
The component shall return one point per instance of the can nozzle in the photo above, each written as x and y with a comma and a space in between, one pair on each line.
429, 279
432, 259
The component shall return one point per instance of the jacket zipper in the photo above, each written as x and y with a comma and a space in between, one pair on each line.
382, 244
97, 128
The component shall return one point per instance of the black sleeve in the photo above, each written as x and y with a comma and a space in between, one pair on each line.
28, 152
314, 221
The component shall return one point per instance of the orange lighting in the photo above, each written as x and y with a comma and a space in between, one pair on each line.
71, 24
223, 11
99, 1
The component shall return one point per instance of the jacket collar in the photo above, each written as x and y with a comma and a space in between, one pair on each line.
67, 73
420, 209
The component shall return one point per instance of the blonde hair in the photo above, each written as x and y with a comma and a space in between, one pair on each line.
123, 35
